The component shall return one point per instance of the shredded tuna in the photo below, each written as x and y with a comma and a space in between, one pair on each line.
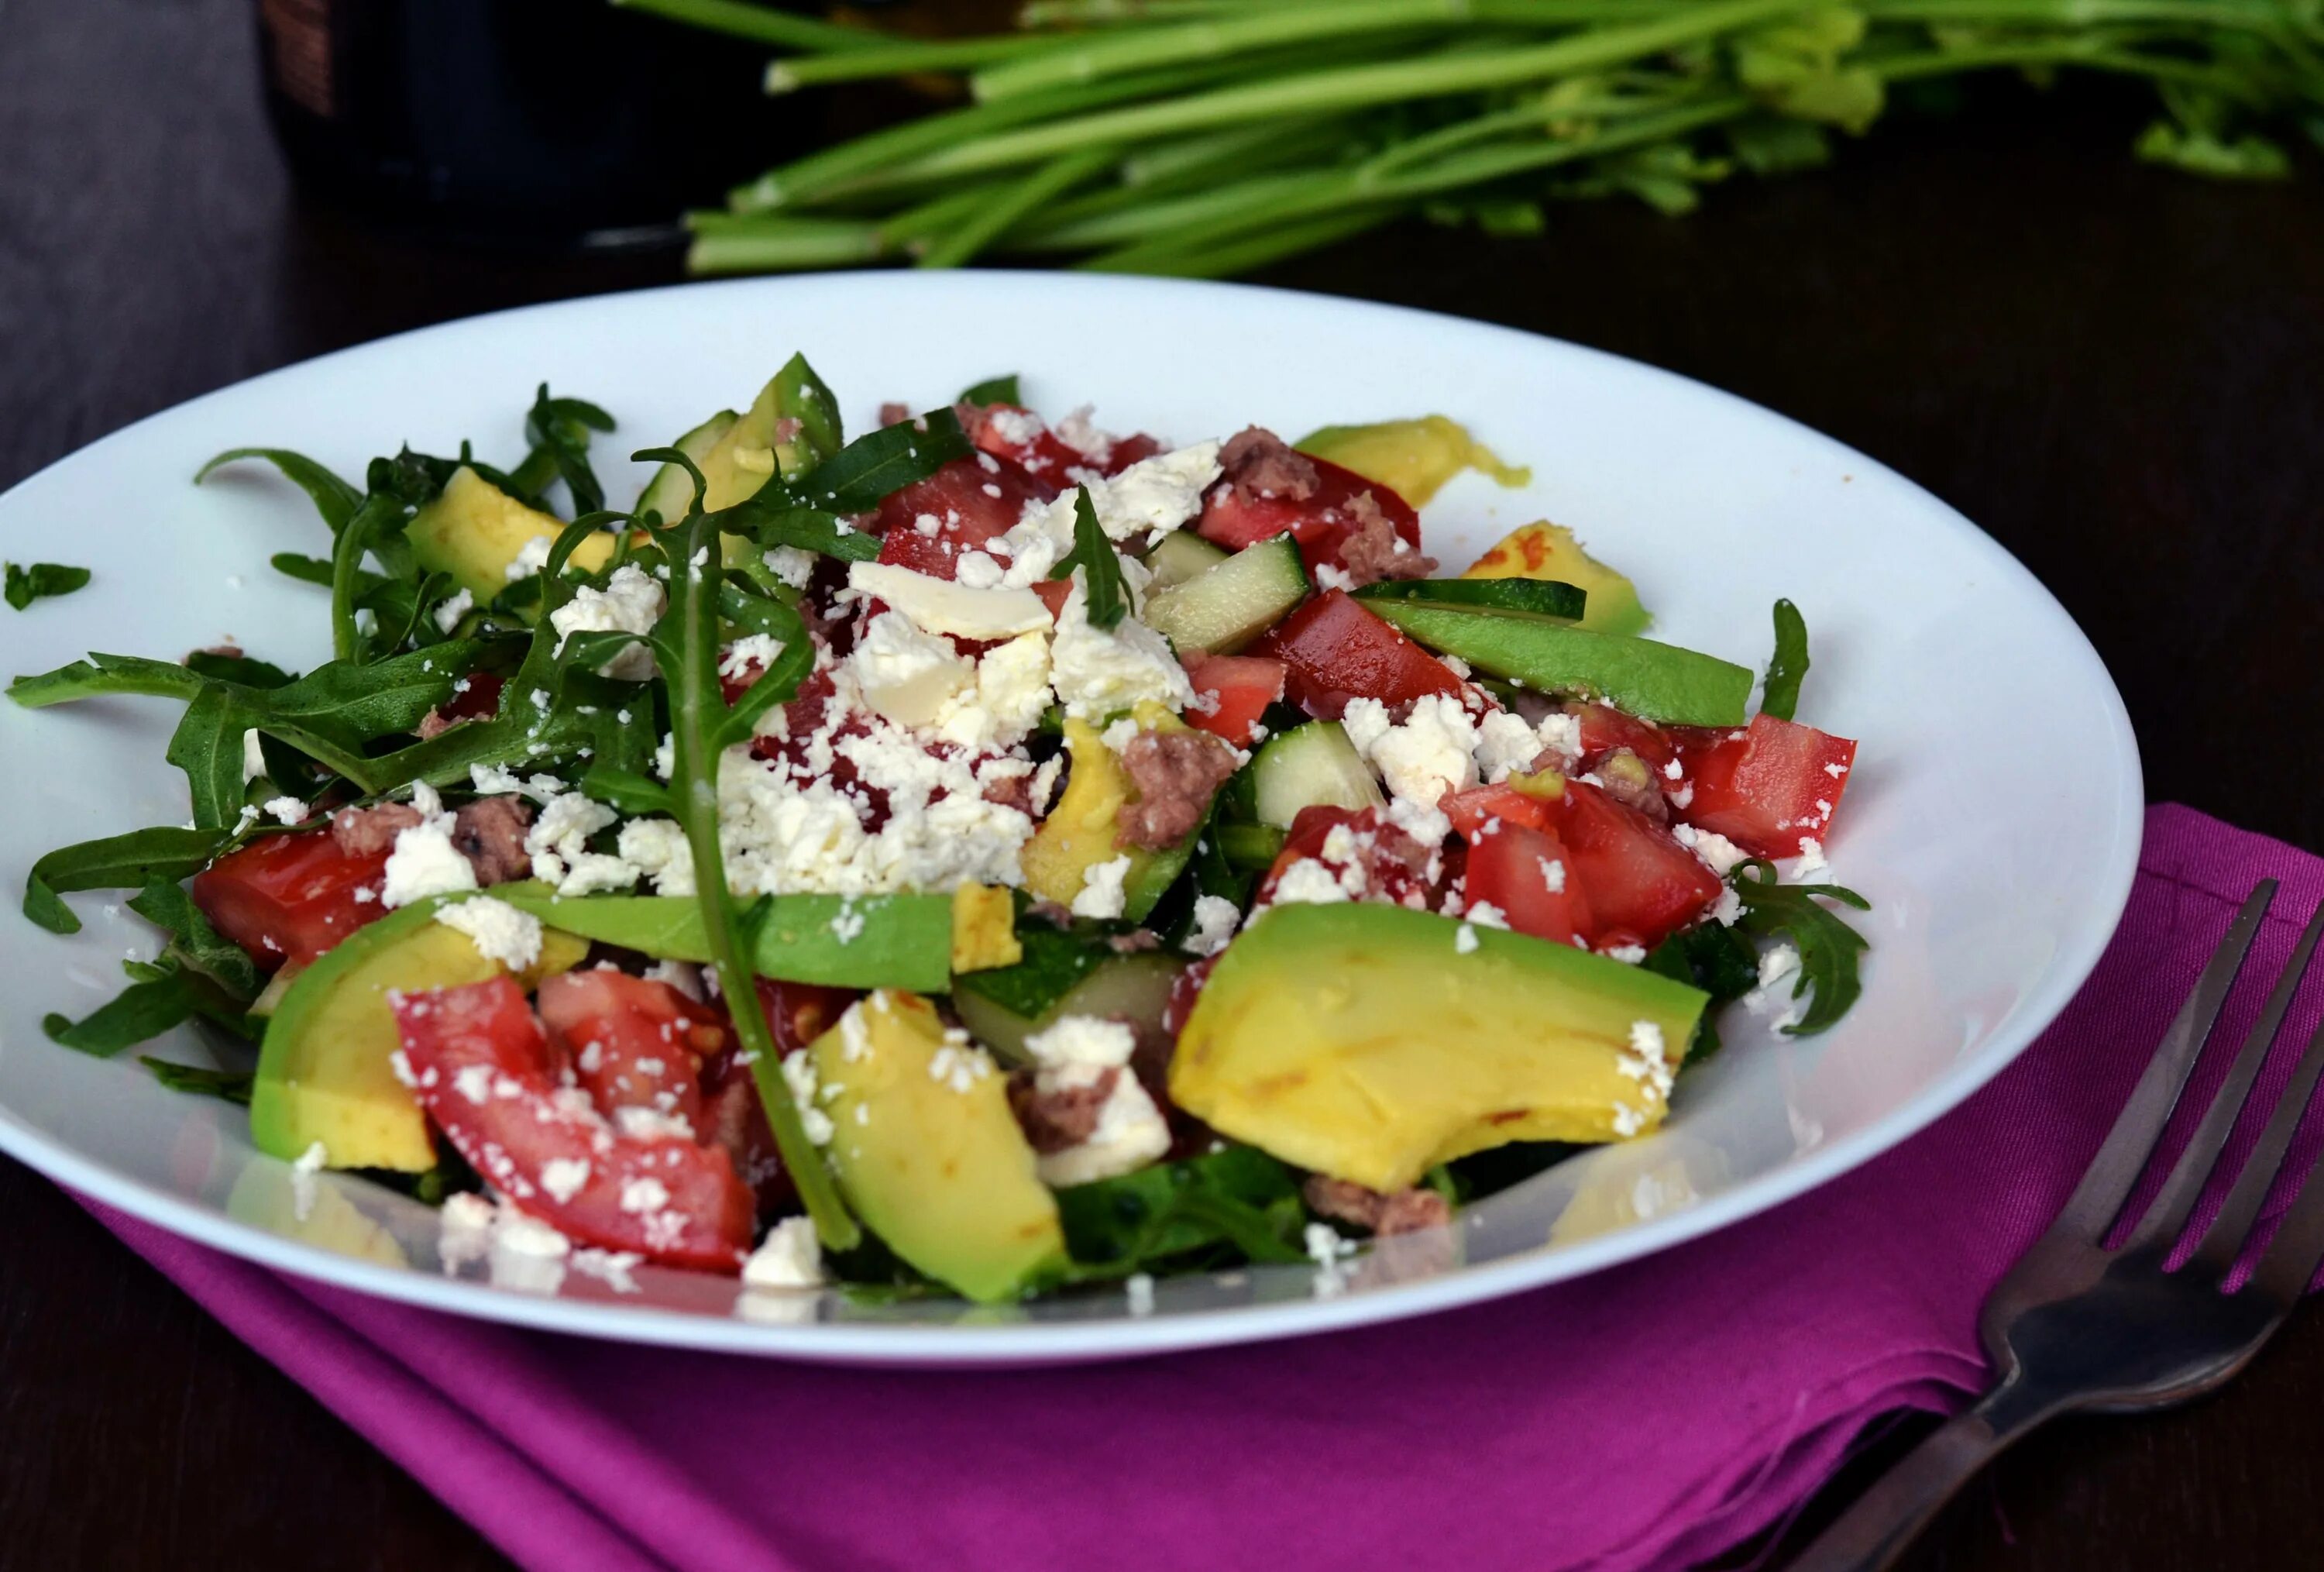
1630, 782
1136, 940
1405, 1212
1051, 912
787, 430
1176, 773
490, 832
433, 724
1062, 1117
1375, 551
1261, 465
364, 832
892, 413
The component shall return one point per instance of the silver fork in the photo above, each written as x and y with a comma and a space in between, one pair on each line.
2077, 1326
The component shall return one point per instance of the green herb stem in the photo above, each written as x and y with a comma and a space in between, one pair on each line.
898, 59
1014, 202
759, 23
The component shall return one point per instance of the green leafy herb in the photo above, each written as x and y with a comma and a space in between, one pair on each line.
992, 390
233, 1085
687, 643
1719, 960
1780, 696
858, 477
561, 428
769, 523
334, 498
164, 903
1251, 847
114, 863
42, 581
138, 1013
1829, 948
240, 670
1092, 553
1231, 1206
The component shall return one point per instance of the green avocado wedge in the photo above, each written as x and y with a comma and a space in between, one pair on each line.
870, 941
1532, 596
1370, 1042
1653, 682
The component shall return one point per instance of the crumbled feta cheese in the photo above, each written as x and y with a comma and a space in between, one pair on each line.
790, 1256
1101, 894
908, 676
791, 565
1138, 1289
751, 651
449, 611
1099, 671
1464, 939
942, 605
1078, 1051
1330, 576
1485, 914
1771, 1000
286, 809
558, 844
518, 1234
253, 758
499, 930
657, 849
1421, 822
1216, 918
1629, 955
1719, 854
1811, 857
631, 603
1428, 754
1310, 881
1505, 745
563, 1177
1011, 691
494, 781
423, 861
531, 559
1561, 734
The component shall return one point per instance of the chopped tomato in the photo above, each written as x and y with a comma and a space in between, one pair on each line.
1524, 874
1371, 858
1321, 524
1239, 687
1054, 594
476, 697
1334, 651
290, 897
1769, 787
1479, 807
734, 1121
492, 1080
1128, 450
1605, 728
1640, 884
928, 524
1013, 432
635, 1042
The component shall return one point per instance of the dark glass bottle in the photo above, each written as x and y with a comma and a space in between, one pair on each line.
546, 124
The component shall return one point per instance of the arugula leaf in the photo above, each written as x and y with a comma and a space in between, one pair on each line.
138, 1013
41, 580
684, 460
1109, 596
1780, 694
992, 390
233, 1085
240, 670
1237, 1204
624, 790
208, 746
101, 674
801, 395
114, 863
334, 498
1829, 948
1717, 959
561, 427
165, 903
766, 521
858, 477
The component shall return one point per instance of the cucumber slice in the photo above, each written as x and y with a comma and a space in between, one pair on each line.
1132, 988
1182, 555
671, 489
1224, 607
1533, 596
1311, 766
1653, 682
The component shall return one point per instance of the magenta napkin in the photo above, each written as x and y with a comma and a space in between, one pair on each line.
1647, 1417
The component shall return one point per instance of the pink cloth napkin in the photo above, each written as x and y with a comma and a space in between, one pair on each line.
1647, 1417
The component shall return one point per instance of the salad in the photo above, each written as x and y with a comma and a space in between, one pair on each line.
988, 856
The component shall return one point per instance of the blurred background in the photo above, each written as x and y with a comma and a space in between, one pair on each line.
2104, 360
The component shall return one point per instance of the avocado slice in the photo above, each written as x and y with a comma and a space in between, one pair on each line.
474, 531
841, 941
1658, 682
1078, 835
1370, 1042
323, 1069
934, 1163
671, 490
1548, 550
1413, 459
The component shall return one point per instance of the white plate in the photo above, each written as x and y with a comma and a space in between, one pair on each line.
1993, 819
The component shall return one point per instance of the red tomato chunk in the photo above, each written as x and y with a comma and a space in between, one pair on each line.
500, 1088
1769, 787
1238, 689
290, 897
1321, 524
1333, 651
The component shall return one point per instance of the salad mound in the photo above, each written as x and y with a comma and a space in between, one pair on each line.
988, 855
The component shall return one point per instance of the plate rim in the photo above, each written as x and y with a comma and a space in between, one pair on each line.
1033, 1344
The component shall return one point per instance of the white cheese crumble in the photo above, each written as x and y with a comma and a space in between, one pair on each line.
499, 930
631, 603
563, 1177
1811, 857
449, 611
530, 560
286, 809
1101, 894
423, 861
791, 565
1430, 753
1309, 881
905, 675
752, 650
942, 605
253, 758
1719, 854
790, 1256
1011, 691
1772, 1000
1464, 939
1216, 918
1099, 672
558, 844
1505, 745
657, 849
1485, 914
1078, 1051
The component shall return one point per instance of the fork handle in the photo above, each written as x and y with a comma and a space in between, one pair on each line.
1872, 1533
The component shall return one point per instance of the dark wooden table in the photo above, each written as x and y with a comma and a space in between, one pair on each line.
2112, 368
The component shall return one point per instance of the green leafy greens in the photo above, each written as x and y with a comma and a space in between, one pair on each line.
42, 581
1780, 695
1829, 948
1092, 553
